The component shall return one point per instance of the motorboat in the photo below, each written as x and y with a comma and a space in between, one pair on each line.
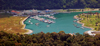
37, 24
48, 25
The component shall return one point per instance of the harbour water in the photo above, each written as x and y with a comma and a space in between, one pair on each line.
64, 22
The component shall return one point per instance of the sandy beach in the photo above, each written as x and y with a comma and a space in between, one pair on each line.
22, 23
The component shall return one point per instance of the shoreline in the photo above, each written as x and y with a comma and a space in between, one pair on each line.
86, 32
85, 11
75, 10
28, 31
82, 23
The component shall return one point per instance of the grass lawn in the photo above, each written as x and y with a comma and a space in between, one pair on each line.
11, 24
91, 21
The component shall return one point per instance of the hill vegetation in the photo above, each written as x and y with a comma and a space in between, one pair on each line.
48, 39
48, 4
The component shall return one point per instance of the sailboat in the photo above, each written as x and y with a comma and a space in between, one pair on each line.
82, 27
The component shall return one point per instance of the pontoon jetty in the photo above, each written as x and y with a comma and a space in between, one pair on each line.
43, 19
48, 16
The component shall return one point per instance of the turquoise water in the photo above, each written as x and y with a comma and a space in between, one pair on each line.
64, 22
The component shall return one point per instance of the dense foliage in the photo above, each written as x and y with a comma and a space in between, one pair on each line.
48, 4
48, 39
91, 20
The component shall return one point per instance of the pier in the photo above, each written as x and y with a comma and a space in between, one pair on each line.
43, 19
48, 16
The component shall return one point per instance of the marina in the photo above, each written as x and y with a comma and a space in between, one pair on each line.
64, 22
48, 16
43, 19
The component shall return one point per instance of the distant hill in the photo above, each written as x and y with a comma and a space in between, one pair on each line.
48, 4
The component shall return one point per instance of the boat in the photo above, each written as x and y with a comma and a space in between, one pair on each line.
52, 22
82, 27
47, 25
77, 19
74, 24
37, 24
74, 21
31, 23
49, 22
45, 21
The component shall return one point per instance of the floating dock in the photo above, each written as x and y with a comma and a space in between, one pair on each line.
43, 20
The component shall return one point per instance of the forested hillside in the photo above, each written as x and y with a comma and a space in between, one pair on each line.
48, 39
48, 4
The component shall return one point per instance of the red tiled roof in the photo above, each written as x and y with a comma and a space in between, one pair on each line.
15, 11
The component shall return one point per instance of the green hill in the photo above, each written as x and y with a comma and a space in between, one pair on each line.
48, 4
